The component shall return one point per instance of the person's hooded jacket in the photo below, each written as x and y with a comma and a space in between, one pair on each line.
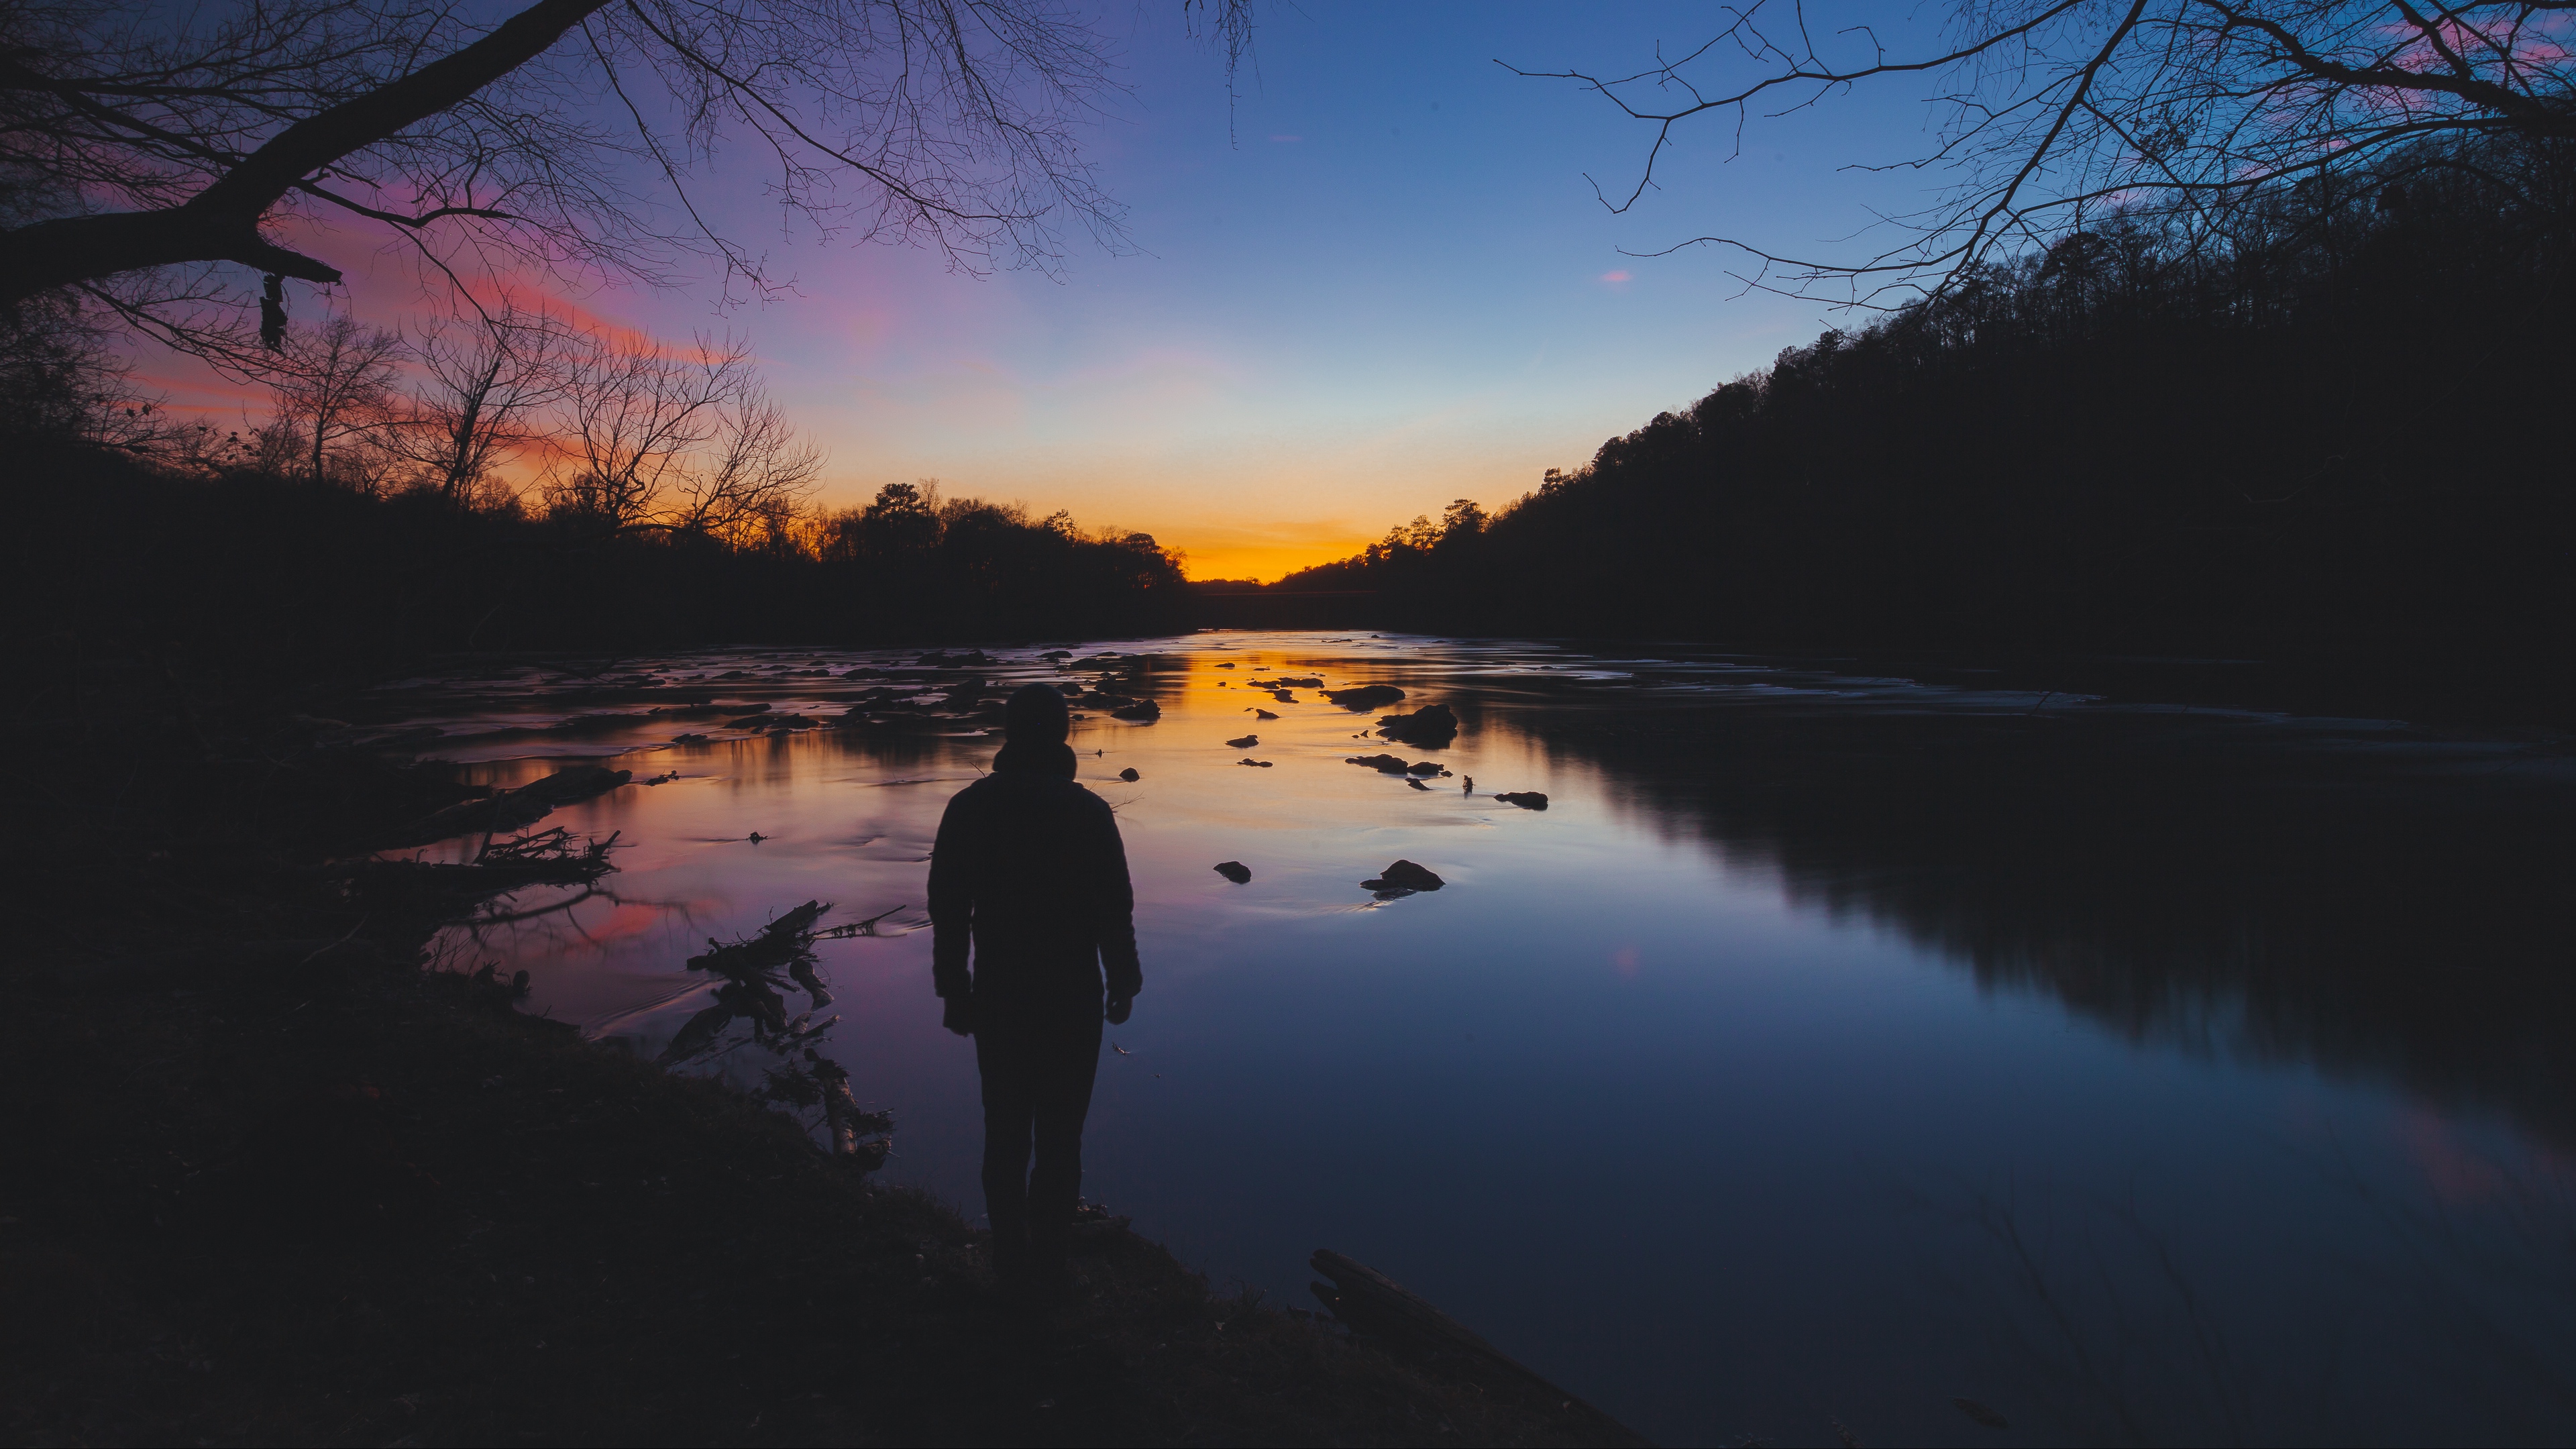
1029, 868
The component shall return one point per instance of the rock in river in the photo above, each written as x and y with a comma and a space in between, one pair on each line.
1390, 764
1432, 727
1364, 698
1243, 742
1143, 711
1404, 875
1263, 764
1129, 774
1234, 870
1526, 799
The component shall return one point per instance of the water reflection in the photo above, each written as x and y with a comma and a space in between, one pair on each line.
2368, 899
1829, 1046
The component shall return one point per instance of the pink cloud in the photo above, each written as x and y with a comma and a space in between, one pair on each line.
1621, 275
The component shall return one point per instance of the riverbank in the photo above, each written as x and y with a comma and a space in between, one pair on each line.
272, 1182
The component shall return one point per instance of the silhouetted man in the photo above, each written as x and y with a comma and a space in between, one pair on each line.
1030, 867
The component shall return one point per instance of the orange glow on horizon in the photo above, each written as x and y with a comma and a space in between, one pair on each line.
1225, 558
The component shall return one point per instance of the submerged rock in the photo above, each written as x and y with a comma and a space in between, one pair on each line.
1243, 742
1432, 727
1235, 871
1404, 875
1526, 799
1417, 784
512, 809
1388, 763
1365, 697
1263, 714
599, 724
1129, 774
1425, 767
1264, 764
575, 782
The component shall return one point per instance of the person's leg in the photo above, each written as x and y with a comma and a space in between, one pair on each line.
1008, 1065
1068, 1058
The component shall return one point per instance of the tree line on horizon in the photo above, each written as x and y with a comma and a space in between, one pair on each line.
519, 484
2323, 425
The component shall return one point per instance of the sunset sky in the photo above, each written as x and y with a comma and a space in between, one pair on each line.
1391, 288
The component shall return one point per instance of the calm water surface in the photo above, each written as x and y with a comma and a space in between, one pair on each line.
1831, 1046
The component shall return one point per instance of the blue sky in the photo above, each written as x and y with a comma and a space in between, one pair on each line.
1384, 292
1378, 283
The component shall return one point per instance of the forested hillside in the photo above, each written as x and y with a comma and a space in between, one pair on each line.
2329, 426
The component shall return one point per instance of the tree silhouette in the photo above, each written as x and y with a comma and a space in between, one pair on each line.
483, 394
335, 396
667, 441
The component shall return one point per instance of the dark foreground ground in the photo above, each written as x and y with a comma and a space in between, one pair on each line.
269, 1182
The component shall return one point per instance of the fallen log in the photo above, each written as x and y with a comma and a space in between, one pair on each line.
550, 857
515, 809
779, 942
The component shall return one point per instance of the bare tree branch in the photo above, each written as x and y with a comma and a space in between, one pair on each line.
2052, 110
136, 137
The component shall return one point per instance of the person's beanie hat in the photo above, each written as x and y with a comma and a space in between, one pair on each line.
1036, 715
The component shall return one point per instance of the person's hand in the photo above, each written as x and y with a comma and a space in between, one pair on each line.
1119, 1007
959, 1016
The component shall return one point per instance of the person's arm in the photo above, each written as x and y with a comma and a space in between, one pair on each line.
1113, 920
952, 911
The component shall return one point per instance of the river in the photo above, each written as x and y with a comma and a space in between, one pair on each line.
1834, 1045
